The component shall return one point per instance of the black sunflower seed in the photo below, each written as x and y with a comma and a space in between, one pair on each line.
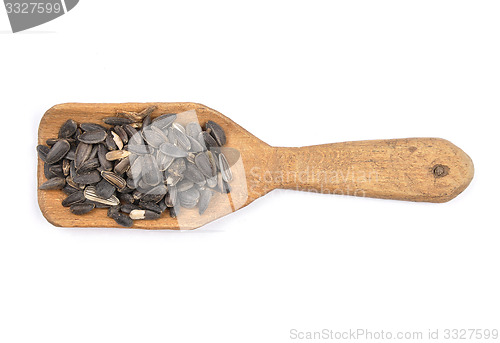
82, 208
123, 220
73, 198
82, 153
88, 165
58, 151
104, 189
54, 183
88, 178
93, 137
216, 132
42, 151
117, 121
68, 129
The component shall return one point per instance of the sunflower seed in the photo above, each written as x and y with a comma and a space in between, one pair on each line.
83, 151
164, 161
113, 211
101, 155
49, 174
171, 198
73, 198
87, 178
117, 154
155, 194
216, 132
208, 140
116, 180
42, 151
123, 220
146, 122
69, 190
91, 194
189, 198
117, 121
151, 206
88, 165
58, 151
153, 138
117, 140
177, 167
56, 170
179, 127
121, 133
150, 173
82, 208
224, 168
182, 140
193, 174
65, 167
109, 142
172, 150
205, 196
195, 145
173, 179
93, 137
133, 135
67, 129
143, 214
193, 129
104, 189
202, 161
73, 184
122, 166
126, 198
54, 183
184, 185
164, 120
71, 154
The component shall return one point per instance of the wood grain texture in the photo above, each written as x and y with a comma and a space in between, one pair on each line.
415, 169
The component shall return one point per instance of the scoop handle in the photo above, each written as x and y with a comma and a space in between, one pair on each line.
413, 169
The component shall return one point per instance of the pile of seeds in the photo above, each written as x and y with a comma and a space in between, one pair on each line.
135, 166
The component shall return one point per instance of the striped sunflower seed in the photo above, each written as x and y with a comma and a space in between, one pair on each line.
116, 180
91, 194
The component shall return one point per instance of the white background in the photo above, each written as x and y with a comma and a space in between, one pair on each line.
292, 73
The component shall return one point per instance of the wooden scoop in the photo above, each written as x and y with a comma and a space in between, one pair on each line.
413, 169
